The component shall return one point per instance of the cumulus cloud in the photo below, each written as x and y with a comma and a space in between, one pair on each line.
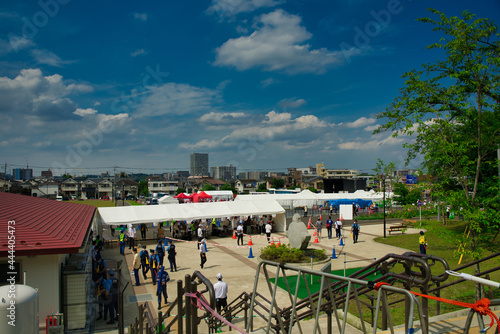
360, 122
141, 17
277, 44
177, 99
227, 8
274, 117
374, 144
84, 112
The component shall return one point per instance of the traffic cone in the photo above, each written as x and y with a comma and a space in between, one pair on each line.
309, 226
279, 243
272, 241
333, 254
320, 217
250, 243
316, 241
315, 234
234, 234
250, 255
341, 241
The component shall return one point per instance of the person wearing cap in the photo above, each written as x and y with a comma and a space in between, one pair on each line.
319, 227
154, 264
163, 278
239, 233
110, 297
171, 255
422, 243
203, 253
355, 231
220, 289
160, 252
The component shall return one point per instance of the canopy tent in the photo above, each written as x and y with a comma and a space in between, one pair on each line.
218, 195
182, 196
158, 213
304, 198
167, 200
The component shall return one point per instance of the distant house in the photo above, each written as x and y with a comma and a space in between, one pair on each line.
70, 187
127, 187
105, 188
49, 237
90, 189
246, 186
48, 189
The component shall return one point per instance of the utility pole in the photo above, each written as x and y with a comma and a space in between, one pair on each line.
114, 184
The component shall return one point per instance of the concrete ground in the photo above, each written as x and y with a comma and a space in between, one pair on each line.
239, 271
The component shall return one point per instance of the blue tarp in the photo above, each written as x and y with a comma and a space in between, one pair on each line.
360, 202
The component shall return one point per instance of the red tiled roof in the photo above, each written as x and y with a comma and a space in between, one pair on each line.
43, 226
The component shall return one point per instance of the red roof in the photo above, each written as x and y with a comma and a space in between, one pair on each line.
43, 226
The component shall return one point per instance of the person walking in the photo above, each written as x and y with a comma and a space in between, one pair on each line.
305, 210
131, 236
136, 266
319, 226
338, 228
160, 252
153, 263
329, 226
171, 255
422, 243
144, 256
355, 231
239, 233
268, 229
163, 278
220, 289
203, 253
143, 228
121, 241
200, 235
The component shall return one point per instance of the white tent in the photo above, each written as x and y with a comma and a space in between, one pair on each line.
157, 213
289, 201
168, 200
220, 194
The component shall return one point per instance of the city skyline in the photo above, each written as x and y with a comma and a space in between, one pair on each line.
260, 85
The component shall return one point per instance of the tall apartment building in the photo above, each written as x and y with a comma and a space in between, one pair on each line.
256, 175
223, 172
22, 174
199, 164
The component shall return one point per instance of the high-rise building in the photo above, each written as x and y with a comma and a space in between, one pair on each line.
223, 172
22, 174
199, 164
47, 173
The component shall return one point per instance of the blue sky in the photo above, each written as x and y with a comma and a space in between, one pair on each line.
259, 84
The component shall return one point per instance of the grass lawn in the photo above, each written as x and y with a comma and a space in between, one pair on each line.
134, 203
95, 202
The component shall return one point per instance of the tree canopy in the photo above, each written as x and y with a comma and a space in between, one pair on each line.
449, 110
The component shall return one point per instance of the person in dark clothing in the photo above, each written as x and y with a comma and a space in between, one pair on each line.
171, 255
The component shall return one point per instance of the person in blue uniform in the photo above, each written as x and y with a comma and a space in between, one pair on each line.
163, 278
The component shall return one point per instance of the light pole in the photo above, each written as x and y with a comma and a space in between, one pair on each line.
383, 180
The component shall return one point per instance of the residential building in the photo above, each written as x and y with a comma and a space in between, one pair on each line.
246, 186
47, 173
223, 172
52, 236
163, 187
253, 175
127, 187
199, 164
89, 189
70, 187
22, 174
47, 189
105, 188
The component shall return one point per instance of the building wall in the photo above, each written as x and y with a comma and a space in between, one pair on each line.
43, 272
199, 164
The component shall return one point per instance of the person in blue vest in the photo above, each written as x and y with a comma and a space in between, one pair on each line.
160, 252
153, 265
355, 231
163, 278
121, 240
171, 255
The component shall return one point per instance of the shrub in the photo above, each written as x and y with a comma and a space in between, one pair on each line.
287, 254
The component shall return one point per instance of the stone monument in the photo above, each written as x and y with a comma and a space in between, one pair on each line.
297, 233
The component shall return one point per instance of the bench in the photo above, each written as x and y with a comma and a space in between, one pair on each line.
402, 227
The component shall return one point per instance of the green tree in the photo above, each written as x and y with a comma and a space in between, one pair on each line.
180, 190
262, 187
227, 186
208, 187
277, 183
312, 189
404, 195
384, 173
450, 109
143, 188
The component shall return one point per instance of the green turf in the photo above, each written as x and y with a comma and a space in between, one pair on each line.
292, 282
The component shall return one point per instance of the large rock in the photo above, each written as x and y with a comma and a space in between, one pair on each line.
297, 233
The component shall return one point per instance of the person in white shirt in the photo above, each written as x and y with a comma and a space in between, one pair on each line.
338, 228
239, 233
220, 289
203, 254
268, 229
131, 236
200, 235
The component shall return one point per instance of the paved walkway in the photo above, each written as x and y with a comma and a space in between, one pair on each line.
225, 257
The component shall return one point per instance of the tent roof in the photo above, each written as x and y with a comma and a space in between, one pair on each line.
167, 199
157, 213
182, 196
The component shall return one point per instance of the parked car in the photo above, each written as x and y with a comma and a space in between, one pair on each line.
105, 198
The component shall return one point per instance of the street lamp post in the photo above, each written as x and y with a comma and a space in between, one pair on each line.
385, 230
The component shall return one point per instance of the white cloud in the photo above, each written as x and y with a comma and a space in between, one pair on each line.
177, 99
268, 82
374, 144
227, 8
17, 43
360, 122
85, 112
218, 117
139, 52
292, 103
48, 58
277, 44
141, 16
371, 128
274, 117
